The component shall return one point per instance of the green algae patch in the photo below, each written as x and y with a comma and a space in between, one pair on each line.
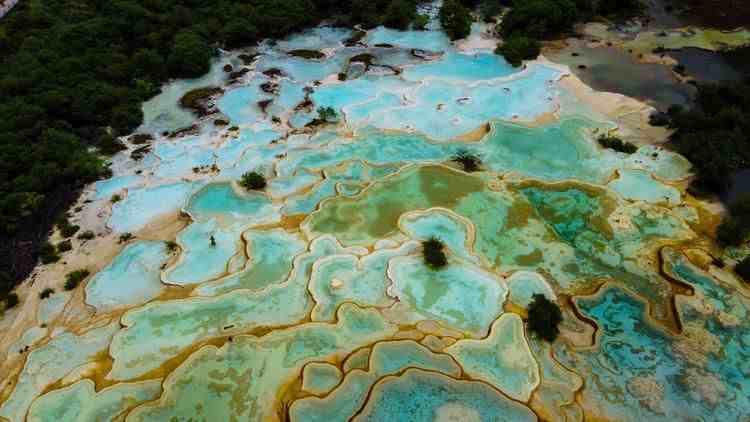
158, 331
387, 358
319, 377
374, 214
429, 396
706, 39
337, 279
503, 359
51, 362
241, 380
80, 402
271, 254
461, 295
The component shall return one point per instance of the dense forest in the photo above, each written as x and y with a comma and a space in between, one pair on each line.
713, 135
73, 76
74, 73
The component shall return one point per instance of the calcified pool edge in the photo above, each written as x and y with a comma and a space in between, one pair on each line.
314, 303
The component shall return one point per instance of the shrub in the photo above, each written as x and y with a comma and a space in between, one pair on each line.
540, 18
64, 246
544, 318
518, 48
172, 246
743, 269
307, 54
44, 294
195, 99
253, 181
455, 19
11, 300
115, 198
468, 160
617, 144
67, 229
73, 279
327, 114
421, 21
48, 253
434, 256
125, 237
87, 235
399, 14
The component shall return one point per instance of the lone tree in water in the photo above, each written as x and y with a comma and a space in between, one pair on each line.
544, 318
434, 257
326, 114
253, 181
468, 160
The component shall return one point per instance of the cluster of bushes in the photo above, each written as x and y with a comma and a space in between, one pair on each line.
399, 14
532, 20
469, 161
617, 144
516, 48
713, 135
544, 318
73, 75
74, 278
455, 19
253, 180
433, 253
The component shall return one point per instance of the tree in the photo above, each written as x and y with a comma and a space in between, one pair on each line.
539, 18
399, 14
743, 269
455, 19
517, 48
544, 318
468, 160
191, 55
11, 301
434, 256
74, 278
253, 181
327, 114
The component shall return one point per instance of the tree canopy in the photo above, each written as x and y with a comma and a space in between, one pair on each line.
455, 19
73, 76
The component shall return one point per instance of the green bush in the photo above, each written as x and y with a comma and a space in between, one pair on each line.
11, 300
87, 235
743, 269
399, 14
544, 318
433, 254
124, 237
44, 294
253, 181
115, 198
48, 253
617, 144
421, 21
327, 114
469, 161
66, 229
518, 48
455, 19
73, 279
540, 18
172, 246
64, 246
